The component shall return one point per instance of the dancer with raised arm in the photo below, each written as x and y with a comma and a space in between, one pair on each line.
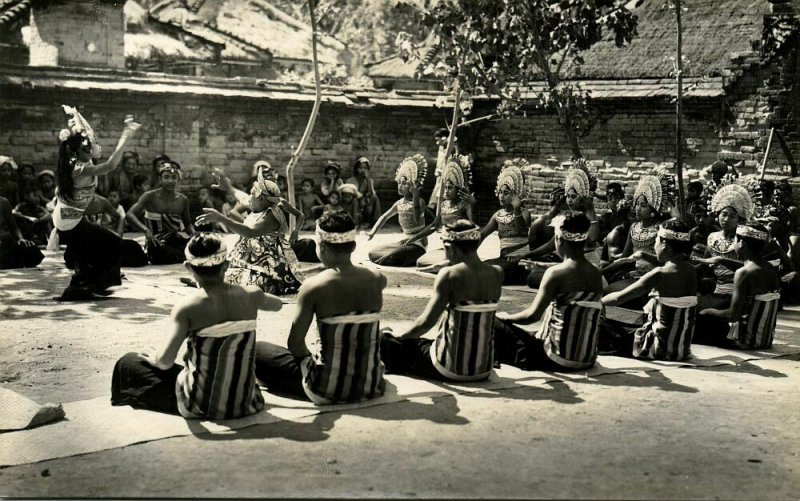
92, 251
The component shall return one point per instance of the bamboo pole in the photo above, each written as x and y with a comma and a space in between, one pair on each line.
311, 120
679, 114
766, 154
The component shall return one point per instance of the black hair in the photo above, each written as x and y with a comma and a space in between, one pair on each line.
130, 154
464, 246
753, 244
159, 159
358, 163
67, 152
615, 186
575, 222
203, 245
26, 167
337, 222
677, 246
441, 133
332, 165
308, 180
139, 180
624, 211
696, 185
175, 165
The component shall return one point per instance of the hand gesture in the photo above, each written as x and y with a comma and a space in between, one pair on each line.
209, 215
130, 126
148, 354
636, 256
221, 181
370, 235
503, 316
293, 237
150, 238
26, 243
414, 189
516, 202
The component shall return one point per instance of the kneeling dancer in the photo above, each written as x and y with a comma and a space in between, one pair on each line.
464, 301
569, 299
345, 365
217, 380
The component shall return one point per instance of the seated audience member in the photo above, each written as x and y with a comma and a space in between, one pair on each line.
346, 299
26, 174
462, 306
218, 323
33, 219
615, 193
750, 319
9, 189
694, 192
334, 203
568, 302
703, 226
369, 204
309, 203
672, 287
166, 214
15, 251
122, 180
614, 243
47, 187
349, 200
332, 180
140, 185
204, 202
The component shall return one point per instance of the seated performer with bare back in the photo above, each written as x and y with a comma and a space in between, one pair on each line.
462, 306
346, 299
568, 302
167, 225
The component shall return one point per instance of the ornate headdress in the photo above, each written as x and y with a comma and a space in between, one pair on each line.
265, 186
458, 171
332, 237
76, 125
170, 166
667, 234
512, 176
471, 234
8, 160
413, 168
214, 259
558, 224
258, 166
579, 179
749, 232
741, 194
658, 188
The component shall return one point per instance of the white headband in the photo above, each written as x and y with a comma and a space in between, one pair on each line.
336, 238
673, 235
750, 232
218, 257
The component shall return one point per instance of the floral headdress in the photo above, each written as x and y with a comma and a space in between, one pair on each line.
458, 171
580, 179
76, 125
512, 176
741, 194
413, 168
658, 188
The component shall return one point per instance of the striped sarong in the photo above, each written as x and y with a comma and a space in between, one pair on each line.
347, 364
667, 332
756, 328
570, 327
464, 348
218, 380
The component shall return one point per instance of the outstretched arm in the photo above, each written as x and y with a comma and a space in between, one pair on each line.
641, 287
109, 165
382, 220
532, 313
164, 359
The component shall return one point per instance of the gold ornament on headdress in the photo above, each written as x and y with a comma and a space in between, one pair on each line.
512, 176
578, 179
736, 197
413, 168
457, 171
76, 125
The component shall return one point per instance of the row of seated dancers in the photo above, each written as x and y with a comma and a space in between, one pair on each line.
224, 363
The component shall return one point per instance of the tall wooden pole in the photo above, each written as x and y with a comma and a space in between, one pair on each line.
679, 115
314, 112
450, 142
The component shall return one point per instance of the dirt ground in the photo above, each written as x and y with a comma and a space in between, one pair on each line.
727, 432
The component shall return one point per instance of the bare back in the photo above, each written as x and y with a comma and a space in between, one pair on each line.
677, 279
226, 303
575, 276
475, 282
760, 277
355, 288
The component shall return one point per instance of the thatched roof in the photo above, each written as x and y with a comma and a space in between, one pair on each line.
714, 31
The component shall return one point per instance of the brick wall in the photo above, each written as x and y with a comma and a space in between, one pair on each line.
78, 33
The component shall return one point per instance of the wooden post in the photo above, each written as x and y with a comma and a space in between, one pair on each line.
311, 120
679, 114
766, 155
453, 127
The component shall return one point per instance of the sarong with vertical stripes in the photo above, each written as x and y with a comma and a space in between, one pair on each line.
756, 328
570, 327
667, 332
464, 348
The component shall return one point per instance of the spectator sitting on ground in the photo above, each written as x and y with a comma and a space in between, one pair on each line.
204, 202
47, 187
9, 189
332, 180
122, 180
334, 203
309, 203
15, 251
26, 174
369, 204
33, 220
140, 185
350, 196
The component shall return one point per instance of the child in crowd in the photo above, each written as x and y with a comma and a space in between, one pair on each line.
218, 324
47, 187
15, 250
204, 202
334, 203
9, 189
230, 207
568, 302
280, 180
26, 174
750, 319
33, 219
463, 305
369, 204
262, 256
350, 197
672, 286
346, 299
332, 180
309, 203
703, 226
141, 184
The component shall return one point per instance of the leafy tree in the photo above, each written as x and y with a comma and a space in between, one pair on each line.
504, 47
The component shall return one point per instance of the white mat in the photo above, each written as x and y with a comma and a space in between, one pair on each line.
94, 425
